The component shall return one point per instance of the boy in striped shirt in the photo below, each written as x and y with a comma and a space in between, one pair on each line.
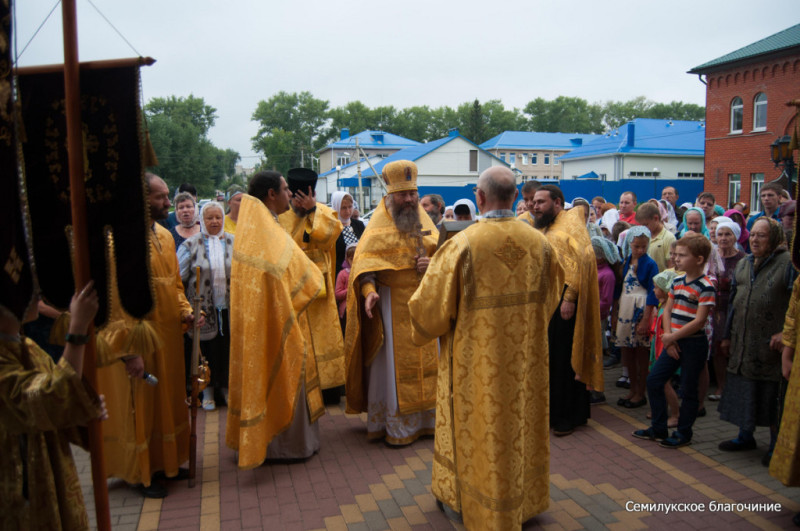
689, 305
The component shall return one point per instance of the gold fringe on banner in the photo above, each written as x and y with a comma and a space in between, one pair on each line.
150, 158
58, 332
142, 340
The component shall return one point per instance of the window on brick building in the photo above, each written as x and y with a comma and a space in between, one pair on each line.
503, 157
524, 158
534, 157
737, 115
547, 159
760, 112
512, 158
734, 188
756, 182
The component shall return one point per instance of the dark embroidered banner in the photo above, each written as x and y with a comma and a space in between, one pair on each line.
113, 176
16, 279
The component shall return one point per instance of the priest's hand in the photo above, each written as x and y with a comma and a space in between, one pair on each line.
135, 366
370, 302
189, 320
567, 310
103, 411
422, 263
306, 201
776, 342
787, 356
83, 308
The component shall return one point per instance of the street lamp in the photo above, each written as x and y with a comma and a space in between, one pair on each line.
782, 155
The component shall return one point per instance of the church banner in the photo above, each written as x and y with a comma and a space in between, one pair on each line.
113, 176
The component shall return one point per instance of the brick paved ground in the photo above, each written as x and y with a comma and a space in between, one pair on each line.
356, 485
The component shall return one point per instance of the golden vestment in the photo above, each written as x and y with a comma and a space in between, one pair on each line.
570, 238
785, 463
316, 235
147, 430
490, 292
388, 254
41, 405
272, 283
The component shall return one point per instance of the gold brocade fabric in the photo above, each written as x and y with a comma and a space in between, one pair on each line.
785, 463
569, 237
229, 225
272, 284
322, 228
386, 252
148, 426
490, 292
41, 407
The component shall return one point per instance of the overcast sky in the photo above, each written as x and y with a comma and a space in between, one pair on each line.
409, 52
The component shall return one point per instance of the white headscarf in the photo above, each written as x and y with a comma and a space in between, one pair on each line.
216, 254
609, 219
336, 204
469, 204
731, 226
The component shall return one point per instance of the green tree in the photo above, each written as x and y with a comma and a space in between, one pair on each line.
413, 123
563, 115
677, 110
291, 129
179, 133
473, 121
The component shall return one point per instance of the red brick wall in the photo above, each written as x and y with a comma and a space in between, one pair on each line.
747, 152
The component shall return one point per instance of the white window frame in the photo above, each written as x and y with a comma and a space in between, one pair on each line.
734, 188
760, 111
524, 157
534, 158
503, 156
756, 182
737, 107
547, 159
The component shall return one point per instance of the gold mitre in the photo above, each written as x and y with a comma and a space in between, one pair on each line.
399, 176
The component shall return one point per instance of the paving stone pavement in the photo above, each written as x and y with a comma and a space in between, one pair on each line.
353, 484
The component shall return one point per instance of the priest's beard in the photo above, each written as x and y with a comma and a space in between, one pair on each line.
544, 220
405, 216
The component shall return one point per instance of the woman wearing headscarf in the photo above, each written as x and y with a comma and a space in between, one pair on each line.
467, 210
186, 214
211, 250
739, 218
343, 203
762, 286
234, 201
694, 220
727, 235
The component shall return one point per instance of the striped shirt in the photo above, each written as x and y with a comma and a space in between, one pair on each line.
686, 297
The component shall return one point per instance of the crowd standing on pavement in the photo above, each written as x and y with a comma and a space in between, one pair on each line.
499, 334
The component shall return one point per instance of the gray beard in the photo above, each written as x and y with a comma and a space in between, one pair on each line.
545, 220
406, 220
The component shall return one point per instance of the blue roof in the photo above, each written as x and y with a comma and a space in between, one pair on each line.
533, 140
372, 140
645, 136
590, 175
417, 152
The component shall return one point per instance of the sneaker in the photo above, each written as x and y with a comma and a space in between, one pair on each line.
736, 445
209, 404
676, 441
650, 434
597, 398
624, 382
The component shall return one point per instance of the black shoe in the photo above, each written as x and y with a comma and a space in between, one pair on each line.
155, 490
597, 398
701, 412
737, 446
611, 362
563, 429
633, 405
796, 519
624, 382
183, 473
650, 434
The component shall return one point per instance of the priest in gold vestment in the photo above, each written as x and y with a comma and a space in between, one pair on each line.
42, 404
785, 463
575, 338
314, 227
388, 377
148, 427
274, 395
490, 292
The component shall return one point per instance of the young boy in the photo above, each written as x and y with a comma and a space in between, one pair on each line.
685, 344
660, 238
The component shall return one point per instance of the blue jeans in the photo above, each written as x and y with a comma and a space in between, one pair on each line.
692, 358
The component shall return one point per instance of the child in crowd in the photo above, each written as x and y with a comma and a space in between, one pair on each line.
608, 276
636, 304
662, 284
691, 299
342, 280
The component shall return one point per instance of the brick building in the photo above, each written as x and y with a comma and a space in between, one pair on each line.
746, 95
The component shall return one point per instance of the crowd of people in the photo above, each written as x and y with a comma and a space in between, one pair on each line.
488, 342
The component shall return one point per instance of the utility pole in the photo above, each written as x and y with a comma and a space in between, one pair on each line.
360, 191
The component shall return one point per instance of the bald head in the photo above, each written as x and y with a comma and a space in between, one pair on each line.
497, 189
157, 196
